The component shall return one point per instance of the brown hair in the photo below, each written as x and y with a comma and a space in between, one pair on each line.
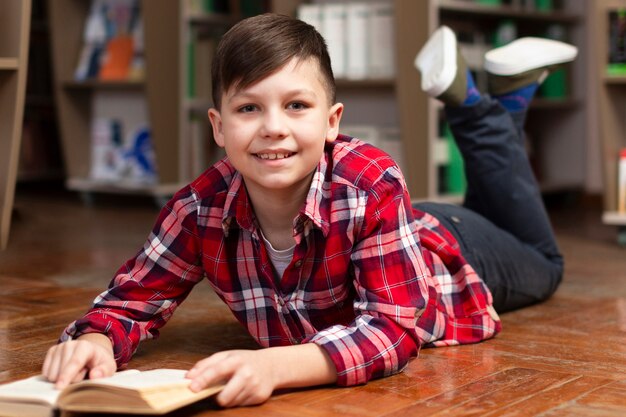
258, 46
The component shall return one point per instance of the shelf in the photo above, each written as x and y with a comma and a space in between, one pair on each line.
34, 176
198, 105
467, 8
385, 83
554, 104
121, 187
221, 20
614, 218
9, 63
547, 187
614, 79
104, 85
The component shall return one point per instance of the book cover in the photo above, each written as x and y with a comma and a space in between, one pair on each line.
117, 59
382, 60
334, 31
357, 15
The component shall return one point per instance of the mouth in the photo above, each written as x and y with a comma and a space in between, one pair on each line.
274, 155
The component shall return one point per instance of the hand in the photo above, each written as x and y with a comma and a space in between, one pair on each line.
248, 372
252, 375
70, 362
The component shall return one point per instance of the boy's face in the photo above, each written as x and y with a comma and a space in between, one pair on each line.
274, 131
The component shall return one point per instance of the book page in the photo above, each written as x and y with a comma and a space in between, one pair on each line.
39, 389
33, 389
144, 380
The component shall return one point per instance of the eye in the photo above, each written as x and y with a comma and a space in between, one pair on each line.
296, 105
248, 108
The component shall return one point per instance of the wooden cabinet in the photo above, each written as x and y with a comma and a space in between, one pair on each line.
14, 33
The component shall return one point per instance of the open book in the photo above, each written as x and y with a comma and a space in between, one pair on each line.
129, 392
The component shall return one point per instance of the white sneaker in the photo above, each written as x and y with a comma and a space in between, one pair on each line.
436, 61
526, 54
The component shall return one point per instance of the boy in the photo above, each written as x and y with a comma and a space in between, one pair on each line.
310, 238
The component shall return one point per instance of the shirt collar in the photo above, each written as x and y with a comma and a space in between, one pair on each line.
314, 211
237, 206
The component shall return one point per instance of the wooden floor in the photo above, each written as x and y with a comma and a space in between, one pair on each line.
566, 357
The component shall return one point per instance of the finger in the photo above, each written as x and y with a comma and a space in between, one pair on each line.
236, 392
206, 363
102, 370
97, 372
230, 394
210, 375
74, 361
56, 361
47, 362
79, 376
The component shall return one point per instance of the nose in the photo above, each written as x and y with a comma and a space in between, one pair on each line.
274, 124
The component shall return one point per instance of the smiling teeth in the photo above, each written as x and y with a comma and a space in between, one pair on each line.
273, 155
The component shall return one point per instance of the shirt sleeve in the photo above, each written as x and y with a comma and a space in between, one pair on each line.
394, 290
149, 287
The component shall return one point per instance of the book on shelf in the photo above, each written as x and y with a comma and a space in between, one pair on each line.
200, 51
113, 159
334, 31
450, 167
555, 85
359, 35
208, 6
357, 17
112, 42
157, 391
118, 55
381, 43
617, 42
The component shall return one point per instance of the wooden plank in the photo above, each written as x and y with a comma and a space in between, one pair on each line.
9, 63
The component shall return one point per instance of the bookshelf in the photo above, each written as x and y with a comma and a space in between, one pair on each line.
611, 91
555, 127
166, 26
14, 35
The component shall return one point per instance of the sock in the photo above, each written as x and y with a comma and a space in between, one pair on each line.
472, 95
518, 100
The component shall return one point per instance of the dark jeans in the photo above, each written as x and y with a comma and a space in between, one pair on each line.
503, 229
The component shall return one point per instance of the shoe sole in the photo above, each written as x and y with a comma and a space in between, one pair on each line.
526, 54
437, 61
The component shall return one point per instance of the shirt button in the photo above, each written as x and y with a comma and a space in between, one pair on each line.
455, 219
298, 263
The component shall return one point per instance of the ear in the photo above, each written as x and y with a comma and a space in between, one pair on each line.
334, 117
216, 122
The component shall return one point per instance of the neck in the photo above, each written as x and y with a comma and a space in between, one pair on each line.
276, 212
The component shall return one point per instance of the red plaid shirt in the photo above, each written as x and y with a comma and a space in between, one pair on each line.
371, 279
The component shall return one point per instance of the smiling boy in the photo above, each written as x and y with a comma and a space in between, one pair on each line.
308, 236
